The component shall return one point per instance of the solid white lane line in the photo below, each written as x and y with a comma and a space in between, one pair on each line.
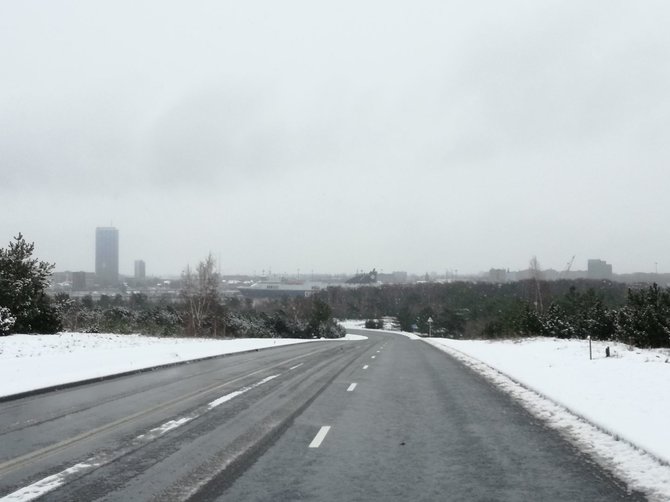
320, 436
351, 387
365, 367
296, 366
52, 482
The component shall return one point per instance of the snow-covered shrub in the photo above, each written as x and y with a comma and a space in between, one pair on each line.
248, 325
7, 321
329, 329
159, 321
374, 324
555, 323
118, 320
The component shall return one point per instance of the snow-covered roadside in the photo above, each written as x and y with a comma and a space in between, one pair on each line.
29, 362
358, 324
595, 403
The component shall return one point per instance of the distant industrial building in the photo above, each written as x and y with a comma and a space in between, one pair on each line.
498, 275
599, 269
263, 291
140, 269
396, 277
107, 256
367, 278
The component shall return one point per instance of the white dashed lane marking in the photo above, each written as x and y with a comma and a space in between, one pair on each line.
352, 387
320, 436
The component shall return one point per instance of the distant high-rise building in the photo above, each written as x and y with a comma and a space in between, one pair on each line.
599, 269
140, 269
78, 281
107, 256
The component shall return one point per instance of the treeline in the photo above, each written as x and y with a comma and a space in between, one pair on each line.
643, 321
301, 318
199, 311
566, 309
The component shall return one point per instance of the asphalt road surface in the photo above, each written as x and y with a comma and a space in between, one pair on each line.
388, 418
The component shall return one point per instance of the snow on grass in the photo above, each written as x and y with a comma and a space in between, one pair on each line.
29, 362
358, 324
352, 323
596, 403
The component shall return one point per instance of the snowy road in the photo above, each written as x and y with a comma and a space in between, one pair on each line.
388, 418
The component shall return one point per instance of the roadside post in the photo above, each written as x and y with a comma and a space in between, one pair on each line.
430, 327
590, 351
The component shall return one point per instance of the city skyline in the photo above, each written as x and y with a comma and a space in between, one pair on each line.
129, 267
107, 267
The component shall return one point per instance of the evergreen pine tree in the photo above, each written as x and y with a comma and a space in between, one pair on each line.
23, 283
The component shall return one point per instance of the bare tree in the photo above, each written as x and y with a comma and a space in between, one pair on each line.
536, 275
200, 294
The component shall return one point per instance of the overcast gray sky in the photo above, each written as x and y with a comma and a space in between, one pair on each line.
335, 136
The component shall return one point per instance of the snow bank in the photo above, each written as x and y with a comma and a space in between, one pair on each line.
351, 336
624, 395
29, 362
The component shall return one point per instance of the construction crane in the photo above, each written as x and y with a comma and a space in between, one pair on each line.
568, 266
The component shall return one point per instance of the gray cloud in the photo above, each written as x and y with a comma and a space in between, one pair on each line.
347, 135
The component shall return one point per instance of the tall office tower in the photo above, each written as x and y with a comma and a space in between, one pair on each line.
140, 269
107, 256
